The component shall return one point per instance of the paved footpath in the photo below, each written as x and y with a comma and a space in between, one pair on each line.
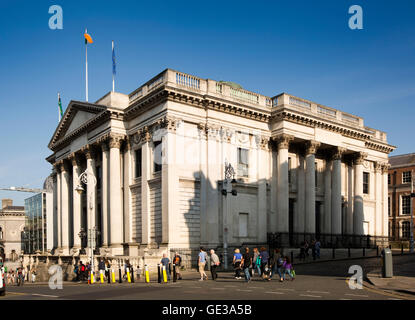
317, 281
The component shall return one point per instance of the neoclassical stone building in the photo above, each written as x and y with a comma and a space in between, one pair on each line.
302, 169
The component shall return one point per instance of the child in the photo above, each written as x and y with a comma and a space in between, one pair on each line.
287, 266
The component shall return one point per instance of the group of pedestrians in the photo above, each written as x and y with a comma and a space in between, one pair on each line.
315, 249
247, 264
19, 276
262, 263
177, 261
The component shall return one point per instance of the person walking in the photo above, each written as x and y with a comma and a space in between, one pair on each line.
237, 261
214, 263
288, 268
107, 269
165, 263
177, 261
277, 263
33, 272
317, 246
264, 261
313, 249
247, 264
256, 261
101, 268
201, 264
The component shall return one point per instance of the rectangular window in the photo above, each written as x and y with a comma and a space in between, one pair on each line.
389, 206
389, 178
406, 177
406, 229
243, 162
366, 182
157, 156
406, 204
243, 224
138, 163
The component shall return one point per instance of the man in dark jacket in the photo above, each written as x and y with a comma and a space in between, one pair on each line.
177, 260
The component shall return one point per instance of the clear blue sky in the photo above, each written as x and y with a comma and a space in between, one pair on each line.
304, 48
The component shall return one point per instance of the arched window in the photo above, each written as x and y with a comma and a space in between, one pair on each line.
1, 233
406, 226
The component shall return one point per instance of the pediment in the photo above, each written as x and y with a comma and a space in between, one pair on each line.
76, 115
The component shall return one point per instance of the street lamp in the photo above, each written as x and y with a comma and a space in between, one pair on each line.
88, 178
230, 188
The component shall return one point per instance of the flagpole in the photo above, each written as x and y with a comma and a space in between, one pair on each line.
86, 67
59, 111
113, 78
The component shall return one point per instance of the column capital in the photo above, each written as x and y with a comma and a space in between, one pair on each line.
283, 140
128, 142
57, 165
378, 166
142, 135
385, 167
262, 142
338, 153
359, 158
88, 151
169, 123
65, 166
75, 160
115, 140
104, 146
311, 147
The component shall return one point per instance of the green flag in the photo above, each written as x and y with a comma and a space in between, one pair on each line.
60, 107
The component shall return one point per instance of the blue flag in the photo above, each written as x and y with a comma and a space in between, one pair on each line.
113, 59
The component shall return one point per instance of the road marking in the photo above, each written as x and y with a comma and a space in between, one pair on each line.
274, 292
244, 290
217, 288
44, 295
286, 289
357, 295
310, 295
324, 292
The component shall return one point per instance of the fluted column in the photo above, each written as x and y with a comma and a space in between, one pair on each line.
104, 195
310, 191
65, 207
90, 187
300, 219
283, 186
76, 201
58, 228
336, 193
358, 215
327, 196
116, 216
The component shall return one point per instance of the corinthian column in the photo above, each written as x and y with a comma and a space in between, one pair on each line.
65, 207
58, 205
310, 191
90, 186
116, 216
283, 186
336, 193
105, 215
76, 198
358, 215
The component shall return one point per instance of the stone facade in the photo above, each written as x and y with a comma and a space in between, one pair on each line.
12, 222
302, 169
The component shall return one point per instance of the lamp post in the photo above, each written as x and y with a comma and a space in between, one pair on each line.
229, 188
88, 178
411, 241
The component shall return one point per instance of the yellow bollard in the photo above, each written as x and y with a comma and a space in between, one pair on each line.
164, 274
92, 277
113, 275
128, 275
102, 276
147, 275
